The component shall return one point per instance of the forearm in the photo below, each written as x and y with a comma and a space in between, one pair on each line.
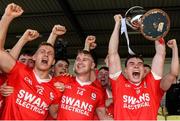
4, 24
175, 62
52, 38
15, 51
114, 40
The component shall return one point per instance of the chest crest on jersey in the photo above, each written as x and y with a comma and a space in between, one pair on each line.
39, 89
28, 80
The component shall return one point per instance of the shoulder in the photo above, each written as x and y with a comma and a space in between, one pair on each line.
96, 87
152, 76
64, 78
19, 67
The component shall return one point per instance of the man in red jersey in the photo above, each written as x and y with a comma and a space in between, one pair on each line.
81, 97
135, 97
32, 92
60, 67
8, 16
103, 77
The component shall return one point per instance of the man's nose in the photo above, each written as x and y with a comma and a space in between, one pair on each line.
136, 66
46, 54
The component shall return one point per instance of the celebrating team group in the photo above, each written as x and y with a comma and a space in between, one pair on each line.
42, 89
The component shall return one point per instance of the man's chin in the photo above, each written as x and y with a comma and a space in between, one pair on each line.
135, 81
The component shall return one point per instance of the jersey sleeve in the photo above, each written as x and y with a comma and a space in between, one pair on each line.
15, 73
116, 84
155, 84
58, 95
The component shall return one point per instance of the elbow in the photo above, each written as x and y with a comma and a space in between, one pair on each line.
174, 73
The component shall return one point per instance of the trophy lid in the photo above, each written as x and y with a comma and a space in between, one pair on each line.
133, 17
155, 24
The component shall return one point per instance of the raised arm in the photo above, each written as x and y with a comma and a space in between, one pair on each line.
168, 79
12, 11
56, 31
28, 35
7, 62
114, 58
90, 44
158, 60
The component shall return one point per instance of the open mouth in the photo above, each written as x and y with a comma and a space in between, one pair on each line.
136, 75
80, 66
44, 62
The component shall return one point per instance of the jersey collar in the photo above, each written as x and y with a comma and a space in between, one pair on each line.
39, 80
83, 83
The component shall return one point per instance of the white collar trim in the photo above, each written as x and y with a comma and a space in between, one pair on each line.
83, 83
39, 80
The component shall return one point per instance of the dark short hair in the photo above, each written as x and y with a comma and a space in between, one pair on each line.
133, 56
25, 54
103, 67
85, 52
146, 65
46, 44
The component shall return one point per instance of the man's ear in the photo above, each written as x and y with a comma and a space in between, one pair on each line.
93, 66
34, 57
125, 70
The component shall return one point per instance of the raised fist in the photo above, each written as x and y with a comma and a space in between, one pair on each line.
91, 42
12, 10
30, 35
59, 30
117, 18
171, 43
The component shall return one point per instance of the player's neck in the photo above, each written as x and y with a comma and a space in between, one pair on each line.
83, 78
82, 82
41, 74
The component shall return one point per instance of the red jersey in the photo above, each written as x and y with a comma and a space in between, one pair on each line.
79, 102
31, 99
136, 102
